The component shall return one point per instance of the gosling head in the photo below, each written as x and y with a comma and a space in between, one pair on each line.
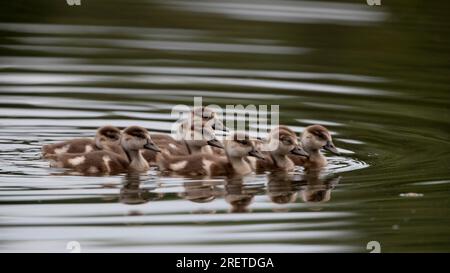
135, 138
107, 135
209, 116
241, 146
283, 141
316, 137
198, 135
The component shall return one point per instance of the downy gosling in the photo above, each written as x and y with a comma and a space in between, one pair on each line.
133, 140
194, 140
312, 139
234, 163
107, 137
280, 143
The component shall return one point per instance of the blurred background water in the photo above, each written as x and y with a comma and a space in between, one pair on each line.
376, 76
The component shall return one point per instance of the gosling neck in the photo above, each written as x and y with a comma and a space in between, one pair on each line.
316, 158
282, 161
137, 161
239, 165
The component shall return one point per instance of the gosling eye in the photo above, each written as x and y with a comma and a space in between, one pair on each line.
320, 135
286, 141
138, 134
112, 135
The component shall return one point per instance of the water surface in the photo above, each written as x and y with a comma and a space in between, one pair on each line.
377, 77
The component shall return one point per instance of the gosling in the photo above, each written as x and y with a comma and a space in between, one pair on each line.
133, 140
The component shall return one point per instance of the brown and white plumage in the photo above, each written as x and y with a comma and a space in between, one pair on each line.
280, 143
198, 138
107, 137
313, 139
233, 164
184, 143
133, 140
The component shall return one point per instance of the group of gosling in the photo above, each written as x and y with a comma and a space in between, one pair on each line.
134, 149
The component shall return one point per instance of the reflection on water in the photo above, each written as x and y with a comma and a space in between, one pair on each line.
133, 193
375, 76
280, 188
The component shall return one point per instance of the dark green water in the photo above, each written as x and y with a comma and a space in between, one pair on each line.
377, 77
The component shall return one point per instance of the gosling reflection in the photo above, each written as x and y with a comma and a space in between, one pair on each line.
234, 191
200, 191
282, 188
318, 189
312, 187
240, 195
132, 192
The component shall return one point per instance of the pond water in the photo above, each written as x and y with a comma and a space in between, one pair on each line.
376, 76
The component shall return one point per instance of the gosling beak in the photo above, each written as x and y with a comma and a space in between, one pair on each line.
218, 125
331, 148
299, 151
152, 146
215, 143
256, 154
